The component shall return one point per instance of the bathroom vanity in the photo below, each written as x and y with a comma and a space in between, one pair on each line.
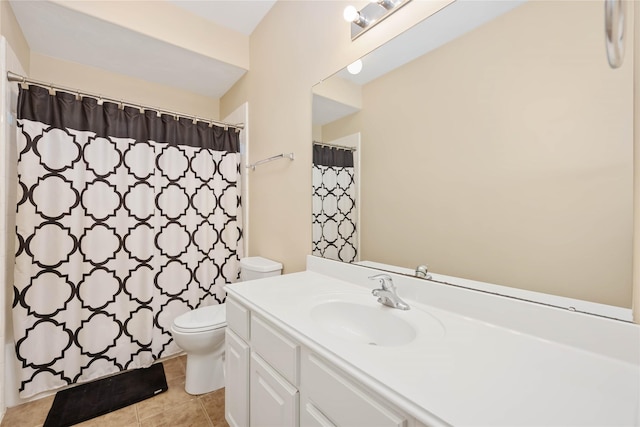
316, 349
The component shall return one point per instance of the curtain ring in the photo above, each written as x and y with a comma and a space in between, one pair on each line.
210, 124
100, 101
195, 120
121, 105
78, 97
52, 91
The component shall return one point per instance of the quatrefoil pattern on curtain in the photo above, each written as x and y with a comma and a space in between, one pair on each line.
334, 207
115, 238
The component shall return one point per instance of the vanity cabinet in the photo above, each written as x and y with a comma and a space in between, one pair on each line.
272, 380
274, 376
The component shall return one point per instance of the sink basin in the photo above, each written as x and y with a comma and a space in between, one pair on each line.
362, 323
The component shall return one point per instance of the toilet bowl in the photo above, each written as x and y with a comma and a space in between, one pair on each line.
200, 333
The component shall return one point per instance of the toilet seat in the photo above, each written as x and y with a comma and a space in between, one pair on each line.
202, 319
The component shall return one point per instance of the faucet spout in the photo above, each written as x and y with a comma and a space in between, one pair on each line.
387, 293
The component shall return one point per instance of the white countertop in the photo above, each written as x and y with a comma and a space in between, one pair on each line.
459, 370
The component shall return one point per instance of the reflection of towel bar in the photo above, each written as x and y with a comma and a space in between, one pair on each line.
270, 159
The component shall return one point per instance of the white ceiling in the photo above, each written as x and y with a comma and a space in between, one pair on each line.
59, 32
239, 15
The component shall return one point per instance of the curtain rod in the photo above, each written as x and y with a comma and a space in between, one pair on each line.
13, 77
343, 147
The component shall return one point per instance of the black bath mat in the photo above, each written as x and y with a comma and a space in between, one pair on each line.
86, 401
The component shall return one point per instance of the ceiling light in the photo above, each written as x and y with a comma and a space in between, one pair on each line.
355, 67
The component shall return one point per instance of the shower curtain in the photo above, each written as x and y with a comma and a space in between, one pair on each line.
125, 220
334, 204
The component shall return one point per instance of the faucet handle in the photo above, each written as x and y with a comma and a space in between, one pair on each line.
385, 281
422, 271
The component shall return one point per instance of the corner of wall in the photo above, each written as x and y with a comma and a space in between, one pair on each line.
635, 301
9, 60
10, 29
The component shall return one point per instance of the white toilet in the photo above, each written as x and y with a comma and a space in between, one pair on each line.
200, 332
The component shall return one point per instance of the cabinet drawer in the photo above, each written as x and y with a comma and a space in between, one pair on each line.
310, 416
281, 352
274, 402
340, 400
238, 319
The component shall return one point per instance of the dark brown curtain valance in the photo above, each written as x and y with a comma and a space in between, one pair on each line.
63, 110
332, 156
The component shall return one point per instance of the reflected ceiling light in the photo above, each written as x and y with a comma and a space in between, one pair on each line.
355, 67
370, 15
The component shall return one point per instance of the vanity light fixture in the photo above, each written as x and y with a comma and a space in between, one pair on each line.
614, 26
370, 15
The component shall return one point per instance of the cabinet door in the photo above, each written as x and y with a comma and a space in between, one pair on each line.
274, 401
236, 393
342, 401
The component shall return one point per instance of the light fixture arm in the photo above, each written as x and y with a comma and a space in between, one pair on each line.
370, 15
361, 21
387, 4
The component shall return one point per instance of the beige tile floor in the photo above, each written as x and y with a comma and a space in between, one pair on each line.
173, 408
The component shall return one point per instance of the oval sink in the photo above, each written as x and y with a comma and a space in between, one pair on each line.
363, 324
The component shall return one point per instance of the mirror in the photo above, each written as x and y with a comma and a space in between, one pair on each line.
504, 154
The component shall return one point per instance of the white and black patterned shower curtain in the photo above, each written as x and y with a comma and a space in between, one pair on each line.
334, 204
125, 219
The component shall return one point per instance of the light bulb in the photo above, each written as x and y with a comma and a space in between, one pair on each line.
350, 13
355, 67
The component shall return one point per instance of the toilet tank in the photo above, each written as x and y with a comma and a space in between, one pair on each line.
258, 268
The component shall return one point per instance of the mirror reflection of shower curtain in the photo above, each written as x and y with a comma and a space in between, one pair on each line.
334, 204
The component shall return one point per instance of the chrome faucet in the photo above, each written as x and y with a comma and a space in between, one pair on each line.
422, 271
387, 293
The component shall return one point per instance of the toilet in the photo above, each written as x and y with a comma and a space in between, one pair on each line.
200, 332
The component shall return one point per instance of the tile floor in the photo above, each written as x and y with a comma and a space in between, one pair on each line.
173, 408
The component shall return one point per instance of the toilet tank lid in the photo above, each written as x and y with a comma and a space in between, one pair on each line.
262, 265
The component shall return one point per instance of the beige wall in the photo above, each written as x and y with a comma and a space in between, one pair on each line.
298, 44
340, 90
525, 175
118, 86
636, 174
10, 29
